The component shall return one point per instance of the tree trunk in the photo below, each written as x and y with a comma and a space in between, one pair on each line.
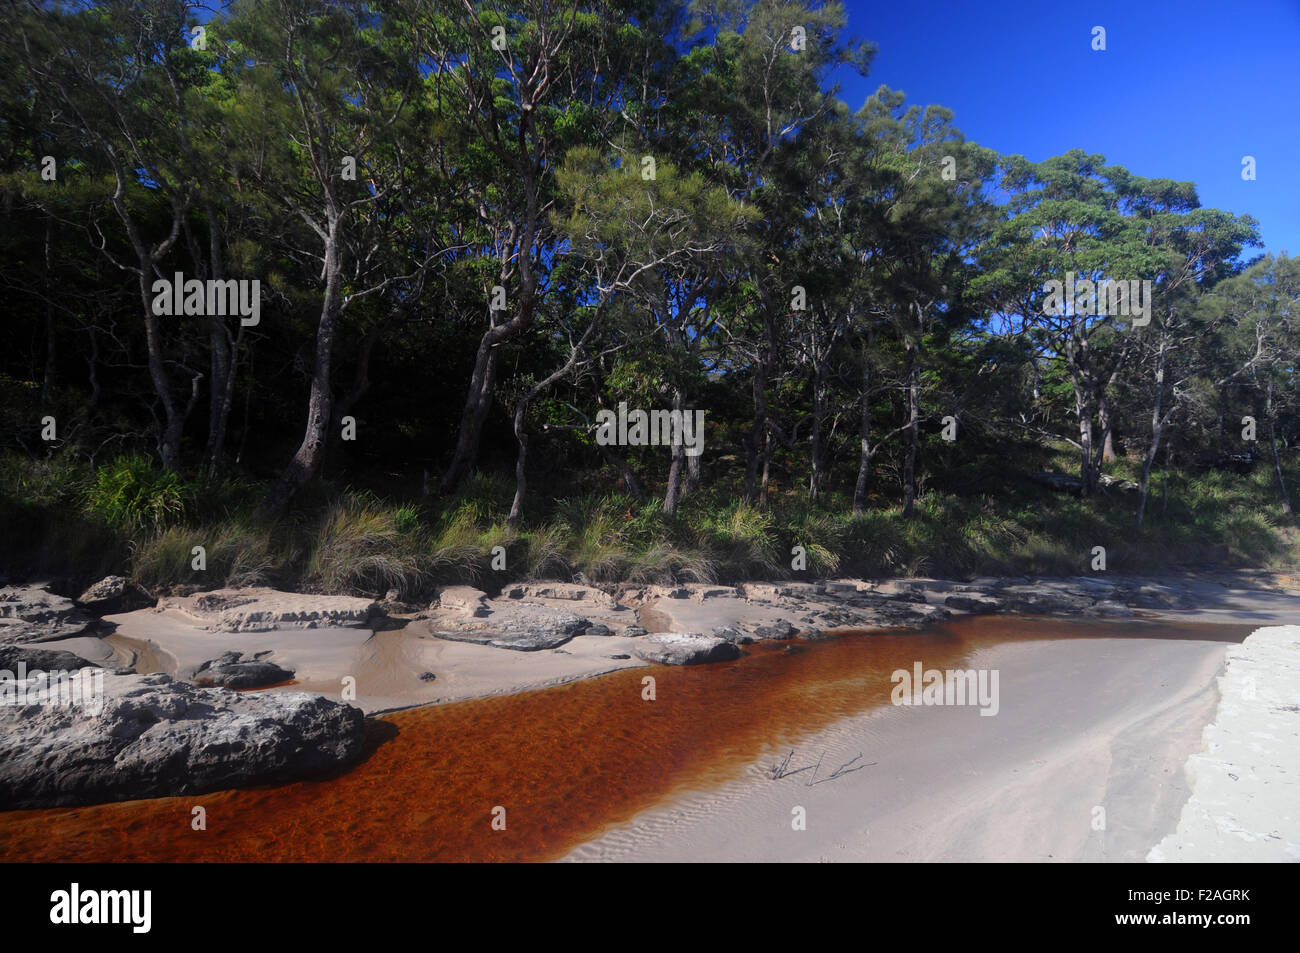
1277, 460
1106, 421
478, 402
754, 445
306, 462
169, 443
767, 468
913, 430
1157, 428
864, 456
673, 493
221, 366
51, 342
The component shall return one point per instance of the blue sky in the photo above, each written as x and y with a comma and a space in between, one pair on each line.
1184, 89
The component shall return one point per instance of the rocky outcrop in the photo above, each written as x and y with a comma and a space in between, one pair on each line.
561, 592
262, 610
154, 738
114, 594
46, 660
688, 648
464, 599
235, 670
34, 614
463, 614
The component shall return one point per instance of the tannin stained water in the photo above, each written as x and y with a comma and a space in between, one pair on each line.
564, 762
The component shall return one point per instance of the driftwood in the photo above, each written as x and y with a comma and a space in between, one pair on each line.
1065, 483
782, 770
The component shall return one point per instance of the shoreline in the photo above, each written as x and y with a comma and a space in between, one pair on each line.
423, 790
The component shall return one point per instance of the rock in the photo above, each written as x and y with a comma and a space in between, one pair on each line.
47, 660
764, 592
1043, 600
976, 604
561, 591
780, 629
427, 676
632, 631
522, 626
156, 738
733, 634
463, 599
700, 593
598, 629
685, 649
264, 610
114, 594
618, 656
232, 670
34, 614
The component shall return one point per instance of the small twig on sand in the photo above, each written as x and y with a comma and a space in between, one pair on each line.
815, 770
782, 770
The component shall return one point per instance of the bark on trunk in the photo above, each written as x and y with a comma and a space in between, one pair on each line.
1277, 460
864, 455
306, 462
913, 430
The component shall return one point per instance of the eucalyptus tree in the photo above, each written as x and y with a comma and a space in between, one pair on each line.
121, 79
1071, 269
754, 85
933, 212
322, 85
529, 80
1259, 344
623, 229
1196, 248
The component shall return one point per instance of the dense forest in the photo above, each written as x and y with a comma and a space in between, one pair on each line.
344, 296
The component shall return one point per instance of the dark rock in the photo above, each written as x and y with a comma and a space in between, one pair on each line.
47, 660
232, 670
733, 634
153, 737
618, 655
780, 629
974, 604
598, 630
114, 594
632, 631
427, 676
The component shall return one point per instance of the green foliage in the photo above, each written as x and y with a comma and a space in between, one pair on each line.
132, 494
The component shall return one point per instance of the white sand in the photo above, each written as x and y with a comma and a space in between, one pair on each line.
1245, 802
1082, 724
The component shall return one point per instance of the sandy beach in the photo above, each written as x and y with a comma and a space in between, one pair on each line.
1083, 724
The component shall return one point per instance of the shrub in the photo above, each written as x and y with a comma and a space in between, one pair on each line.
130, 495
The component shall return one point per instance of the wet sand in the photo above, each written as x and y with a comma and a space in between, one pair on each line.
1091, 713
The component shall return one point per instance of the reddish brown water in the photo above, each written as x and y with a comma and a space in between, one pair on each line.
565, 763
